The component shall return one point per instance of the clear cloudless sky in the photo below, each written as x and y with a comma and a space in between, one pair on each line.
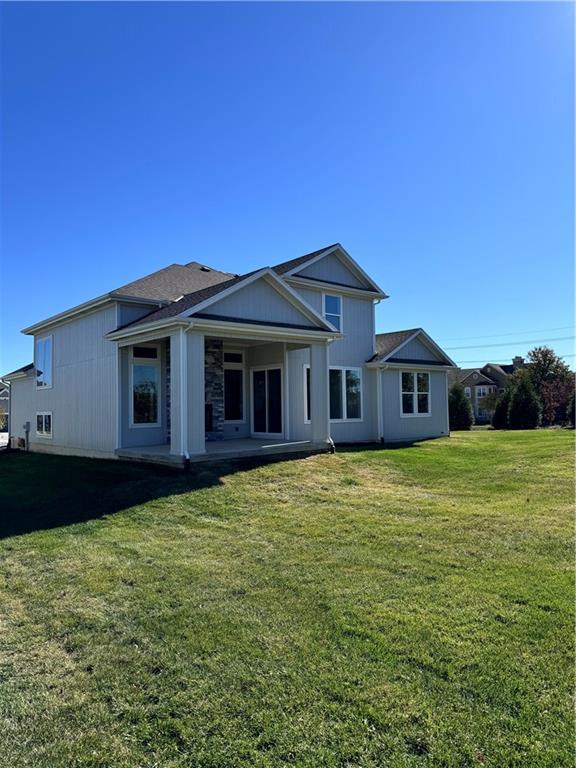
433, 140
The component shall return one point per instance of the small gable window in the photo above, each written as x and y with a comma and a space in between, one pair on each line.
333, 310
415, 394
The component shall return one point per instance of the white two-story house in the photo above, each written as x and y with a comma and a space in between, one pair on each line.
190, 363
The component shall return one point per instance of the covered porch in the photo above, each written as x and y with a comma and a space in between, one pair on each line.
209, 392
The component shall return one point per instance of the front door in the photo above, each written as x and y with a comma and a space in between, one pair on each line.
267, 401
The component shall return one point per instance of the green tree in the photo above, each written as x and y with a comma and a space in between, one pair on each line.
553, 381
500, 415
524, 411
571, 410
459, 408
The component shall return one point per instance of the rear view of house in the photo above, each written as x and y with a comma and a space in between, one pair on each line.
191, 362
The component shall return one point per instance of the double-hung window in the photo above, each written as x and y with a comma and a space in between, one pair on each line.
44, 424
43, 362
145, 376
333, 310
234, 386
345, 391
415, 393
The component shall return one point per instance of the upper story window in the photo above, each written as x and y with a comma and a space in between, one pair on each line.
145, 375
43, 362
467, 392
415, 394
481, 392
333, 310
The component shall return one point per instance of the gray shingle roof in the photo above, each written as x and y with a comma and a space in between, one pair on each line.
388, 342
187, 302
24, 369
172, 282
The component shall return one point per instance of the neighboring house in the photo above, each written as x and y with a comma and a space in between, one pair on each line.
180, 364
4, 405
480, 382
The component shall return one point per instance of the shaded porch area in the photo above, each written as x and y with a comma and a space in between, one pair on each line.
222, 450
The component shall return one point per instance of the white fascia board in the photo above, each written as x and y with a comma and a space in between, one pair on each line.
323, 287
233, 329
15, 376
345, 257
156, 330
86, 307
277, 282
425, 365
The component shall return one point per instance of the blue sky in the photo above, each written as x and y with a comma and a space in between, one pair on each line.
434, 141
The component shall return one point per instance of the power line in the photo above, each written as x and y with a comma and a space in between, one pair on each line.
512, 343
504, 362
513, 333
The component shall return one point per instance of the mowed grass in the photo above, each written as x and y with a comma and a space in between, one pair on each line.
408, 607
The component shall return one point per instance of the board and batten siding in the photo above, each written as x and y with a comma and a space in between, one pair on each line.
332, 269
353, 350
261, 302
398, 428
82, 398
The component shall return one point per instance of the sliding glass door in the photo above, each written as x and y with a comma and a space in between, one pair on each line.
267, 401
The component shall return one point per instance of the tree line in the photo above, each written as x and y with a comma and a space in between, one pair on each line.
539, 394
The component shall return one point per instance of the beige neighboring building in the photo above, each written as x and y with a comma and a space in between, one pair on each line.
479, 382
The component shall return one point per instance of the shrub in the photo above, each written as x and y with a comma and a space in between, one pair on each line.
570, 411
524, 411
500, 415
459, 408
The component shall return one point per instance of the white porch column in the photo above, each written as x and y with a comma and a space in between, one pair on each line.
319, 395
195, 392
177, 390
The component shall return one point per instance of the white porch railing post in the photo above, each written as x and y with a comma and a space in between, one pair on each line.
319, 394
195, 390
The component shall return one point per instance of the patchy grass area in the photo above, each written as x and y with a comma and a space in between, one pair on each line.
375, 608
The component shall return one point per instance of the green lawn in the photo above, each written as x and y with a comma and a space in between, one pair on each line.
408, 607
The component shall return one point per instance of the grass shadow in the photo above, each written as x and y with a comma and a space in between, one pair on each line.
42, 491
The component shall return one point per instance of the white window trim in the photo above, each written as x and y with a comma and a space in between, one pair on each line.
36, 340
145, 361
341, 315
44, 435
414, 394
344, 420
235, 367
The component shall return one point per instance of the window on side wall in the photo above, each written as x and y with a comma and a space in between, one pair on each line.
415, 393
43, 362
44, 424
345, 391
145, 377
333, 310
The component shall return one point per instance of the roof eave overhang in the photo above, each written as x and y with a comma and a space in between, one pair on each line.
341, 252
427, 365
347, 290
87, 307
